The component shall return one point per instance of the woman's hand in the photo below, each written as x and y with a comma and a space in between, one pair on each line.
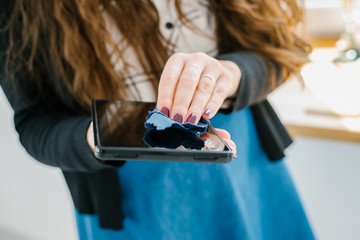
196, 85
90, 137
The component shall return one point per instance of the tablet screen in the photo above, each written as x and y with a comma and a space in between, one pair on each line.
121, 124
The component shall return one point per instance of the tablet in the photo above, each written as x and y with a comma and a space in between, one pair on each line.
119, 135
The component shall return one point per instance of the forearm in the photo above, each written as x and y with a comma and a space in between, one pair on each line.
58, 141
50, 132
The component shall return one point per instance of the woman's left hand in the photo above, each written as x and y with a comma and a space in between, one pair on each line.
196, 85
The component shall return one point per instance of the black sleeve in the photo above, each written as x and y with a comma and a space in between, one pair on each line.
50, 132
54, 138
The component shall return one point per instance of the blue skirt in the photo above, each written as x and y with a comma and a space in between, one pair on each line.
249, 198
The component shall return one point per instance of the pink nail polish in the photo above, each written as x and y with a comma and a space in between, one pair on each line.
191, 118
178, 118
165, 111
207, 112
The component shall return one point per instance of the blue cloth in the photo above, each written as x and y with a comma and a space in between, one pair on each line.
249, 198
165, 132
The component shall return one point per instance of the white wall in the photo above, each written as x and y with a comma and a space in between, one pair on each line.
327, 176
324, 18
34, 200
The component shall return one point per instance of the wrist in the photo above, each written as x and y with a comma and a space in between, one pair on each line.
234, 74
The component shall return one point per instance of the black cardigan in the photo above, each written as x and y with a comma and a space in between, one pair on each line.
52, 128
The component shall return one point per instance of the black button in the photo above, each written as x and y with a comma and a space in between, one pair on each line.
169, 25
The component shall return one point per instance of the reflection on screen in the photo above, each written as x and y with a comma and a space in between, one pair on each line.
122, 123
212, 142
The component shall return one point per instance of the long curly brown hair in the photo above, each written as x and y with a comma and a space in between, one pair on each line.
71, 36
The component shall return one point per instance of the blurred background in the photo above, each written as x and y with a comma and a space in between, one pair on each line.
323, 116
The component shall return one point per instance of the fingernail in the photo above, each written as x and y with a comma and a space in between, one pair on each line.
207, 112
165, 111
191, 118
178, 118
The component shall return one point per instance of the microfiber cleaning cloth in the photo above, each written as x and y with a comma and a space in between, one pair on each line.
165, 132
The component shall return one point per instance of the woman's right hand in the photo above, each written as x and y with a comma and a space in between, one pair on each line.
195, 85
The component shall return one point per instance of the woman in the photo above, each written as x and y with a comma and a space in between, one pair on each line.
193, 58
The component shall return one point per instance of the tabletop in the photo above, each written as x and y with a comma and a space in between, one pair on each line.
326, 104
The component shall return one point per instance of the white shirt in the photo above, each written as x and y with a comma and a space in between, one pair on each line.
183, 38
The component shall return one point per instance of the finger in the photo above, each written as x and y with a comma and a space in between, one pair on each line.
202, 95
217, 98
226, 136
223, 133
232, 145
185, 90
204, 136
168, 81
